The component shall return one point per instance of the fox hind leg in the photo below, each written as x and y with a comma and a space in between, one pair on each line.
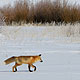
15, 67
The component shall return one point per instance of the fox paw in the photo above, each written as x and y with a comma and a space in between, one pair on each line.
30, 70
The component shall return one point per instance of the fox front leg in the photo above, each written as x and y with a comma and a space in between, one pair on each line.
29, 68
34, 67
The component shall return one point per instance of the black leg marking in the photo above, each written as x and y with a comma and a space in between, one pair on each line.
35, 68
29, 68
15, 69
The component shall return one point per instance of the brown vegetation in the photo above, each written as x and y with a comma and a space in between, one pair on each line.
43, 11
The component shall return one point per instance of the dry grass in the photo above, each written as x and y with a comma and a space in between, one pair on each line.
42, 12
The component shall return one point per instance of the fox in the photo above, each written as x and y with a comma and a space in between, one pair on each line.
23, 60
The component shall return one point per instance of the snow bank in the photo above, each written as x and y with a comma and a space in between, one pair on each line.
20, 34
37, 39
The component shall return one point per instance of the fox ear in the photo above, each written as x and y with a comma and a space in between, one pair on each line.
39, 54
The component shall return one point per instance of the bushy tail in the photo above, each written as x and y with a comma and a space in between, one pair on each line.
9, 60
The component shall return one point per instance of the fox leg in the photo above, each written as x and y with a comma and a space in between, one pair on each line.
34, 67
15, 67
29, 68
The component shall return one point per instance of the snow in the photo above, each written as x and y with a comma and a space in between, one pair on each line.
60, 65
60, 54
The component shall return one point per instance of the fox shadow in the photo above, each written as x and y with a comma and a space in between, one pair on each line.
16, 71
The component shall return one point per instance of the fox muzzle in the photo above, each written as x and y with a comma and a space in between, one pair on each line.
41, 61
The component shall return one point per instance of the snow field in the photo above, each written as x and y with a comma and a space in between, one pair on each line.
60, 52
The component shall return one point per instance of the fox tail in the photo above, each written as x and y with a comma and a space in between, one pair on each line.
10, 60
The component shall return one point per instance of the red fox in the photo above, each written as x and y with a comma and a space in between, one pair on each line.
23, 60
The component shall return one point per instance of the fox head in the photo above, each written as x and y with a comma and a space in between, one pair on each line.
39, 58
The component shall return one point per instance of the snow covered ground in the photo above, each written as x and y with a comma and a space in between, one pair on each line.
61, 55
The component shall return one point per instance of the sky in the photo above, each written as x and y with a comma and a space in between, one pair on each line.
5, 2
